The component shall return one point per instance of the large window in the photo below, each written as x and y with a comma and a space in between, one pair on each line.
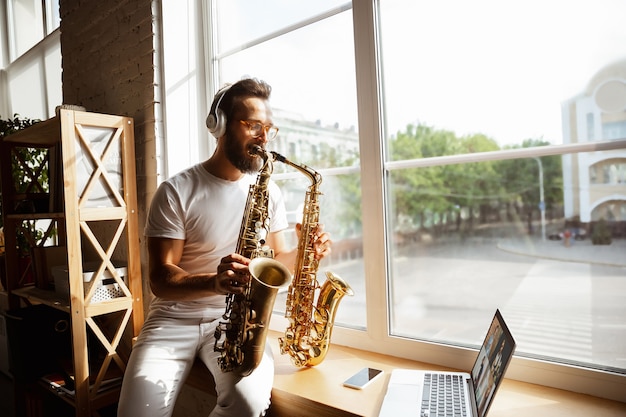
307, 55
30, 58
468, 237
463, 148
29, 21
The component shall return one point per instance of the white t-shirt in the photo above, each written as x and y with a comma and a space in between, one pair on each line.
206, 212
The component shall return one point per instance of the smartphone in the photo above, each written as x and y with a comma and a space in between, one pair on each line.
362, 378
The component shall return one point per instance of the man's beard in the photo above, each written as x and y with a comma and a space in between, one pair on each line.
241, 159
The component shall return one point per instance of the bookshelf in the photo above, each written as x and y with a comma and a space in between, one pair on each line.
80, 226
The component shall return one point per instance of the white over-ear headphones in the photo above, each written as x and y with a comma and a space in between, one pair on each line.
216, 120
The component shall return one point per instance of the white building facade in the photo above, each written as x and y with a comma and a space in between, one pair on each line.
598, 179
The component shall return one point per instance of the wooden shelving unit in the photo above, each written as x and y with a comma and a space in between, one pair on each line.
89, 207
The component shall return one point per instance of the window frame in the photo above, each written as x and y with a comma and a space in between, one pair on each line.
37, 55
48, 22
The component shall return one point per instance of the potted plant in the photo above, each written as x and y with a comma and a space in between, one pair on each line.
30, 158
24, 157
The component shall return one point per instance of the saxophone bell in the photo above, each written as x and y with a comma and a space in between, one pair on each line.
267, 277
270, 272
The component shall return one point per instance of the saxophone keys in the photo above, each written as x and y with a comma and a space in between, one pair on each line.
249, 335
315, 351
299, 359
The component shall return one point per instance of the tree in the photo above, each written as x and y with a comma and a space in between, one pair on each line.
420, 194
470, 192
522, 177
443, 192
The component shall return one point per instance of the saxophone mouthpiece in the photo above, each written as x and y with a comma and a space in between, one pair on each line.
257, 150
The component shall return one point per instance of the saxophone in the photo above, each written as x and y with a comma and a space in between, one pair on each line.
307, 338
241, 336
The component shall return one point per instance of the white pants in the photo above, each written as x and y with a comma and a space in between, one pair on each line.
162, 358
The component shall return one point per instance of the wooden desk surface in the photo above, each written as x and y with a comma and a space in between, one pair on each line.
318, 391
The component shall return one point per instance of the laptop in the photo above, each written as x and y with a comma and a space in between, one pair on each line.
423, 393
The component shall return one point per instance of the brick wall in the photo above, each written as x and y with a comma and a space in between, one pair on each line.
109, 67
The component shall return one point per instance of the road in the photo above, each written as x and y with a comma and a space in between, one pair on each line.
558, 302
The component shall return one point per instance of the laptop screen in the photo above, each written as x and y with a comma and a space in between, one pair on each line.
493, 359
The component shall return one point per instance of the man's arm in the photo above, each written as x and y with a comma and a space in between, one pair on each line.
169, 281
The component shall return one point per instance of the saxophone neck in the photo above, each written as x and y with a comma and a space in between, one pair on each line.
313, 175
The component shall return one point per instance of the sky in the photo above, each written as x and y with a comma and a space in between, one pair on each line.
500, 68
507, 77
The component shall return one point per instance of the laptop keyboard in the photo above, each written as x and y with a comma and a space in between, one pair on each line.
443, 396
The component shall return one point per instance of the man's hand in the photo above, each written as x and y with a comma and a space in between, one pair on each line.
232, 274
321, 240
